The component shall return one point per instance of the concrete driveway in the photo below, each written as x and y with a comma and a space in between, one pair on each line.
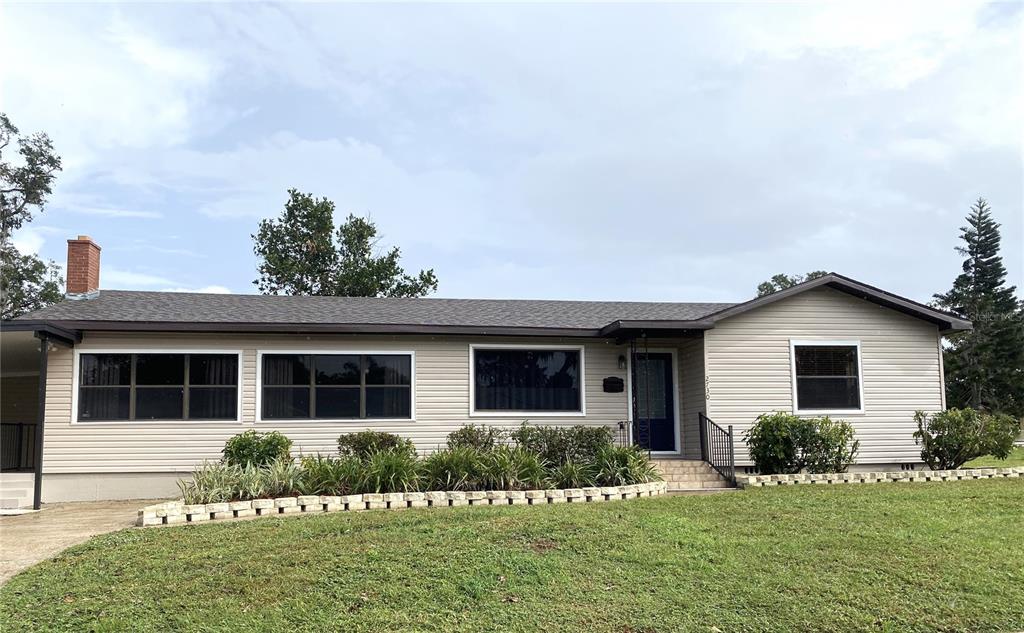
30, 538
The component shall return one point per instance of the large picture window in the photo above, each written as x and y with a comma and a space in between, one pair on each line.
527, 380
158, 386
827, 376
336, 386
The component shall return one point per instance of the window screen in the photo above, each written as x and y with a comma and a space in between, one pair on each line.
827, 377
337, 386
527, 380
158, 387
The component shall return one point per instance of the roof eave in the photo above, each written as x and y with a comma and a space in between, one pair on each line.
308, 328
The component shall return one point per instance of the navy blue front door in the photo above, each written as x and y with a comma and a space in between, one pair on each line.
655, 411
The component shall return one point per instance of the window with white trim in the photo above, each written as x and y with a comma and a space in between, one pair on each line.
527, 379
827, 377
124, 386
336, 386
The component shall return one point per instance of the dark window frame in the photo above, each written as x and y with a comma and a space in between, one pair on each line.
313, 386
857, 376
132, 386
579, 350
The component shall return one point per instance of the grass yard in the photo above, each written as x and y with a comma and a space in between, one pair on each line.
883, 557
1016, 458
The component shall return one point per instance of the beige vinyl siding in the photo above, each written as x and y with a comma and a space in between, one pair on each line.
749, 367
691, 394
441, 401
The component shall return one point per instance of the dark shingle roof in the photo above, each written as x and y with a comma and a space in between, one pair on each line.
171, 307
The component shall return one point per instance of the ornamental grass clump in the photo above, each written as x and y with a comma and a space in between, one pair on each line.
508, 468
459, 468
213, 482
623, 466
573, 474
330, 475
391, 471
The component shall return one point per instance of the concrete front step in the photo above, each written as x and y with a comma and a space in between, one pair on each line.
16, 490
689, 474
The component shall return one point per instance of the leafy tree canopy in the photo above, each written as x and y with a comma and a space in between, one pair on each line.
26, 282
783, 281
984, 367
301, 253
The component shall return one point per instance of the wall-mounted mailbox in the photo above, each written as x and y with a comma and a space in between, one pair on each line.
613, 384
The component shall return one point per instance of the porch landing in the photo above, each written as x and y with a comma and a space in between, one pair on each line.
688, 474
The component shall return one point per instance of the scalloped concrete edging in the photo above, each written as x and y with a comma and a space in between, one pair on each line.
755, 481
172, 512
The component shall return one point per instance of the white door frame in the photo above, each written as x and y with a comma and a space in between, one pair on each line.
676, 404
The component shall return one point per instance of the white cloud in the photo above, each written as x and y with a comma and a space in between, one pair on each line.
219, 290
117, 278
113, 213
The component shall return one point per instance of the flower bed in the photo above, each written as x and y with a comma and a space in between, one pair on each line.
174, 512
754, 481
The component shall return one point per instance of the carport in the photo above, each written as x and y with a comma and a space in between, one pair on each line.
23, 354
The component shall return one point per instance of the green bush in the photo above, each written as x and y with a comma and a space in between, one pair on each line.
558, 445
482, 437
255, 448
624, 465
365, 443
391, 471
459, 468
509, 468
783, 443
573, 475
953, 437
330, 476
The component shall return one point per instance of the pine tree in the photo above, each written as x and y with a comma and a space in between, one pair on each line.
984, 367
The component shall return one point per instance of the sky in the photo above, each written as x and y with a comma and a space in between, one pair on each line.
664, 152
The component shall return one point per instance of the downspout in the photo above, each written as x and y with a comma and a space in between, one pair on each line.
44, 345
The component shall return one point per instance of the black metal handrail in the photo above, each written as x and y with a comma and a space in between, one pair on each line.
17, 446
717, 449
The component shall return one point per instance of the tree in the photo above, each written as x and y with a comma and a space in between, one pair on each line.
985, 366
300, 253
783, 281
26, 282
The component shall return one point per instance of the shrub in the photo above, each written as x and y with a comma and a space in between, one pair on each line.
773, 442
365, 443
624, 465
558, 445
831, 447
783, 443
482, 437
508, 468
459, 468
391, 471
573, 474
256, 448
953, 437
330, 476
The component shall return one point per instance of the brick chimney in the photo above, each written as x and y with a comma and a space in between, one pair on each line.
83, 266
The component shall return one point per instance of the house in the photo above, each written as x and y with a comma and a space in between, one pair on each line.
117, 394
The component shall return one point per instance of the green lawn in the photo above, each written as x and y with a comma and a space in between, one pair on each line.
889, 557
1016, 458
